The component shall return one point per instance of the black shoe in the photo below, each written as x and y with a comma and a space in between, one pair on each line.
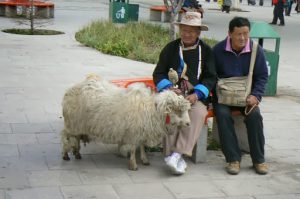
272, 23
282, 24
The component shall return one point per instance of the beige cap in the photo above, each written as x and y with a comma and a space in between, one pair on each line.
192, 19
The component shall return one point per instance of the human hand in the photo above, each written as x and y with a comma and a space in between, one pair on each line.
176, 90
193, 98
251, 100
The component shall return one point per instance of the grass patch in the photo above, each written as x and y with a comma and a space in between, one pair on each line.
34, 32
135, 40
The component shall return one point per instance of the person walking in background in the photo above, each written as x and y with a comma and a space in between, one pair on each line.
226, 6
297, 9
192, 60
232, 59
193, 6
288, 8
278, 12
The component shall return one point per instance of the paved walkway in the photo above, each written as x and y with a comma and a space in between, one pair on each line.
36, 70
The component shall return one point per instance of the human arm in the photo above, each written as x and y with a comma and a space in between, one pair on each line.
208, 75
165, 62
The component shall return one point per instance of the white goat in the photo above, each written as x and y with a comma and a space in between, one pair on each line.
97, 109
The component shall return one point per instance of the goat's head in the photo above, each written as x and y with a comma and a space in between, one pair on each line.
174, 106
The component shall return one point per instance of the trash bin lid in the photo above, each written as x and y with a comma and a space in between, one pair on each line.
261, 29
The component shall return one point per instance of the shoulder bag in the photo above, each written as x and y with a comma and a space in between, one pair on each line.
233, 91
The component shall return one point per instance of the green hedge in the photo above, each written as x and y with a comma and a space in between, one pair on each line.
135, 40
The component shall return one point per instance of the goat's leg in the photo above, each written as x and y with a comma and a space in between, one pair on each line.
132, 160
144, 157
65, 144
76, 149
65, 156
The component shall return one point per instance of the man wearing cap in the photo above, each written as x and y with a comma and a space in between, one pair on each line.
193, 60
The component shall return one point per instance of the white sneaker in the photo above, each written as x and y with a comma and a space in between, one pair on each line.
172, 161
181, 167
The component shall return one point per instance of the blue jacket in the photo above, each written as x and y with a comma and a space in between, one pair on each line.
229, 64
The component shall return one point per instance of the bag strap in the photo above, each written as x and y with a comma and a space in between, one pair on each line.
252, 62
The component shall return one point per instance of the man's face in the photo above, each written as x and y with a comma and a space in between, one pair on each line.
189, 34
239, 37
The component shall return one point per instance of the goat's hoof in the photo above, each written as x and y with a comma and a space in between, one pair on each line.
133, 169
146, 163
78, 156
66, 158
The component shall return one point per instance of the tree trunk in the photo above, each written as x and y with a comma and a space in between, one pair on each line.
173, 7
31, 17
172, 32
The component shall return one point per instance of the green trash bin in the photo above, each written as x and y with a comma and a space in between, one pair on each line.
261, 30
122, 12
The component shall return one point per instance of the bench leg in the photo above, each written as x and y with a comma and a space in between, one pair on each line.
240, 129
155, 15
10, 11
165, 17
2, 10
199, 151
42, 12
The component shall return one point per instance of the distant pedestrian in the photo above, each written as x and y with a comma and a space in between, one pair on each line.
251, 2
288, 8
226, 6
278, 12
297, 9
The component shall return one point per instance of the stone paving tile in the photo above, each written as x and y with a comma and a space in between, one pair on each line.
285, 156
53, 178
8, 150
143, 190
37, 116
12, 105
5, 128
30, 163
278, 196
35, 193
110, 160
88, 192
283, 124
57, 163
196, 189
57, 126
13, 117
104, 176
283, 144
259, 186
48, 138
39, 149
240, 197
13, 179
29, 138
31, 127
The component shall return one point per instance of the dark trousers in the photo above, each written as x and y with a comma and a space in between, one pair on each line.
228, 138
278, 13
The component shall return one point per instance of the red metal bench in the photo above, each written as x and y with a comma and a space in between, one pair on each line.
160, 13
16, 8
